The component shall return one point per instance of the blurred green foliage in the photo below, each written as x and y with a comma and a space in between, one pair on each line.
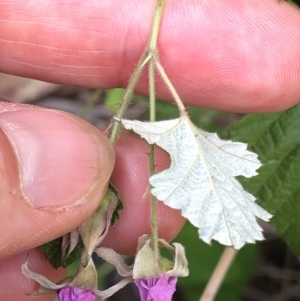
203, 259
113, 98
275, 138
206, 119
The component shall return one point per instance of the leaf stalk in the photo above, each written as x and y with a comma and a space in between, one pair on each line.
169, 84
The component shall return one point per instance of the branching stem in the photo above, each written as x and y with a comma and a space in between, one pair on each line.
150, 56
145, 58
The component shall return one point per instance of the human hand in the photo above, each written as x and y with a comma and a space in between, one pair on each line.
238, 56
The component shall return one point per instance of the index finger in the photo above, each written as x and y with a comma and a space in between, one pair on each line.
231, 55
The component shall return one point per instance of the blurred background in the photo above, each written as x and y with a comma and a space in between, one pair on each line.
267, 271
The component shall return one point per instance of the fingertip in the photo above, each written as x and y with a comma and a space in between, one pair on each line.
56, 167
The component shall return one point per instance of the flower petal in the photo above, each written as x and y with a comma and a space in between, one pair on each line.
157, 289
70, 293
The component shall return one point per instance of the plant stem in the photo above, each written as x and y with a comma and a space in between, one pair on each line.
149, 55
218, 275
154, 226
146, 56
155, 25
127, 95
152, 50
152, 107
168, 83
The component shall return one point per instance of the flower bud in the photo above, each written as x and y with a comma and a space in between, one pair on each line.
146, 265
156, 277
94, 230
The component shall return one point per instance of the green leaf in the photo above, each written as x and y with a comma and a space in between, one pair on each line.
52, 252
276, 138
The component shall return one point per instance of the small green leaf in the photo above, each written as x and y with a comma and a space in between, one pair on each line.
275, 137
52, 252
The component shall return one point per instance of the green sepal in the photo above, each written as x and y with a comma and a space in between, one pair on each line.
165, 264
146, 265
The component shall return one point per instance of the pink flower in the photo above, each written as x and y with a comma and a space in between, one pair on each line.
157, 289
70, 293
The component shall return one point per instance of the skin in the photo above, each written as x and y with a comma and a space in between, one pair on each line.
240, 56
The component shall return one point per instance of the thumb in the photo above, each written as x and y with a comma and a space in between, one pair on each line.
55, 168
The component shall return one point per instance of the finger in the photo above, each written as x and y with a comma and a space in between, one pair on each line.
55, 168
131, 178
15, 286
240, 56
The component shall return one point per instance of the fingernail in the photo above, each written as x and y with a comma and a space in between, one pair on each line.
58, 156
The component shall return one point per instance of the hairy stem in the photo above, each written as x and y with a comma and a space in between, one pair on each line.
155, 25
218, 275
147, 55
127, 95
154, 226
168, 83
152, 50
